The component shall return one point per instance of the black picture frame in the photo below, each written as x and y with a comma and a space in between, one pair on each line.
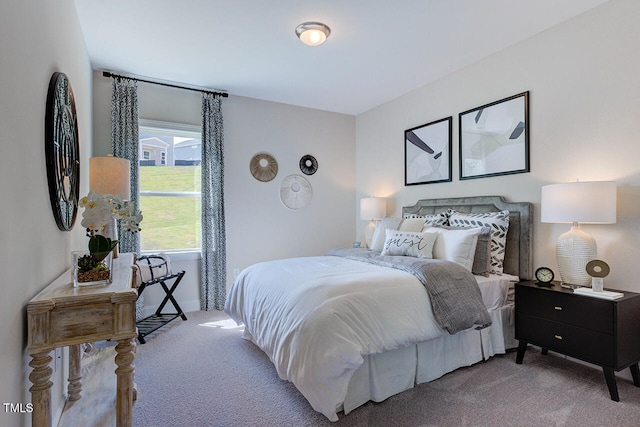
427, 153
494, 138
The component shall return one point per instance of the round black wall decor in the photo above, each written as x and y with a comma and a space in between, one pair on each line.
62, 151
308, 164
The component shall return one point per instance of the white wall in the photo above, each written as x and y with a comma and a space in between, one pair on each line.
584, 108
259, 227
36, 39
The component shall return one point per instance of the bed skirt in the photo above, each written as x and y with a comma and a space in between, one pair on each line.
386, 374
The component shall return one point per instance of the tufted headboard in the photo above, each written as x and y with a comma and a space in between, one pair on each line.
518, 258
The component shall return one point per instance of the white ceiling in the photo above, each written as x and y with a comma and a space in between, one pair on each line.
377, 50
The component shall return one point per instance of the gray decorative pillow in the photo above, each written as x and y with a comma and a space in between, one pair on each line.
499, 224
482, 258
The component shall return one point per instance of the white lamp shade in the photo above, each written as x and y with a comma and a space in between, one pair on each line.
581, 202
373, 208
110, 175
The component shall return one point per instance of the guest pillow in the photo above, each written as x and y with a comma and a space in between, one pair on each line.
499, 224
456, 245
419, 245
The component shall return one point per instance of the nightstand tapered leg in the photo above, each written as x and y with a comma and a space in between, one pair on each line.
522, 347
635, 374
610, 377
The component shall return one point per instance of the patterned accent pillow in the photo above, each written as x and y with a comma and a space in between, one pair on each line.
499, 224
419, 245
431, 219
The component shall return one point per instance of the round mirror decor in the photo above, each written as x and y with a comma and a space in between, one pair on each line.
263, 167
62, 151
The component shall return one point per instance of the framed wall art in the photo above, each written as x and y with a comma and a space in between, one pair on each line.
494, 138
427, 153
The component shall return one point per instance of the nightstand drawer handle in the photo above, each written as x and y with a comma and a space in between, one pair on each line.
558, 337
557, 307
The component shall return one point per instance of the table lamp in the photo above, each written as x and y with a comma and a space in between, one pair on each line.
574, 203
372, 209
110, 175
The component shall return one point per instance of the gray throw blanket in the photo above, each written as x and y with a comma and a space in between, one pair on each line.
455, 297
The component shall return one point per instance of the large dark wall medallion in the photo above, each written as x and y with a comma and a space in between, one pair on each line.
62, 151
308, 164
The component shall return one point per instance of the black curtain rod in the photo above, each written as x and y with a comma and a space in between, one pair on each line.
110, 74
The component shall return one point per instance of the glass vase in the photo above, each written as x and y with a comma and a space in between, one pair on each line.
98, 275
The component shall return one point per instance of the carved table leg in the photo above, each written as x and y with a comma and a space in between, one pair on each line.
75, 372
124, 391
41, 390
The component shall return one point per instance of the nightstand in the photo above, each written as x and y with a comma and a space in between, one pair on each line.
599, 331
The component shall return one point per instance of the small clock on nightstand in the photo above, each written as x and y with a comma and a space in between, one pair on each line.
545, 276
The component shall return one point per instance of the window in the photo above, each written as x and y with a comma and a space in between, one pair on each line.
170, 186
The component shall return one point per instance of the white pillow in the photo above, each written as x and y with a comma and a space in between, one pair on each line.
411, 224
379, 236
458, 246
419, 245
499, 224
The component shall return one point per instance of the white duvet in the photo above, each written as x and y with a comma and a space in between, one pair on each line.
315, 318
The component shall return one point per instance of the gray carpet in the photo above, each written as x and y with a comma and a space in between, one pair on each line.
201, 373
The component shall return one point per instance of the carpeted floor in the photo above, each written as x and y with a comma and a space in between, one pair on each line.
200, 372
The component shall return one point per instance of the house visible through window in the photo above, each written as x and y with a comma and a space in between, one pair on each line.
170, 186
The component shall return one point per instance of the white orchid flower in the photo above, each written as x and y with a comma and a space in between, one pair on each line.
101, 209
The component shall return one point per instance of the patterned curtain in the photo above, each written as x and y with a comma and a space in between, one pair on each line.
214, 260
124, 144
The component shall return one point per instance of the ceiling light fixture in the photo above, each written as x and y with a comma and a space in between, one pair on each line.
312, 33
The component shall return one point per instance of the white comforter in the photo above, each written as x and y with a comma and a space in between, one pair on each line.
315, 318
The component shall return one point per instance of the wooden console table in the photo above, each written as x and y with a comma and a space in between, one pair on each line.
61, 315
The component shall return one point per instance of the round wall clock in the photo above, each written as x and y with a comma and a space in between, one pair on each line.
308, 164
263, 167
62, 151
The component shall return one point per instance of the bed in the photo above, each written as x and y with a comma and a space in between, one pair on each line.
354, 326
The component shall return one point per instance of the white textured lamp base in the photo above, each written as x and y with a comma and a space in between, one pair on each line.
574, 249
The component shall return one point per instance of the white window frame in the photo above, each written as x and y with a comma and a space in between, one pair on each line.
172, 129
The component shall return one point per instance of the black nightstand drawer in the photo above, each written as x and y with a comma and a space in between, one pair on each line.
590, 346
584, 312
